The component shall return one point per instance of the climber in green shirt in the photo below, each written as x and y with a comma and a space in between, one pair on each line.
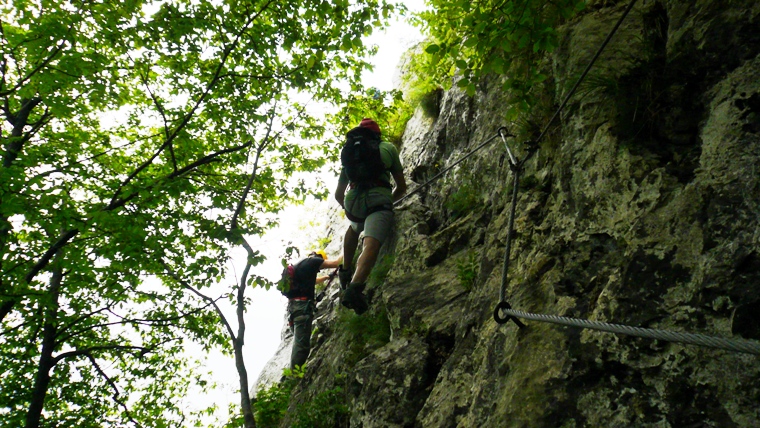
368, 204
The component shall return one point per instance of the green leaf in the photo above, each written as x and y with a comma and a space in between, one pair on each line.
470, 42
431, 49
470, 89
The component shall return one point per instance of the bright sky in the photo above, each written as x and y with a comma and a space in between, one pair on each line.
266, 313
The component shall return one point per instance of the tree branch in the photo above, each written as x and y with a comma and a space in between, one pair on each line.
116, 392
252, 178
162, 112
207, 299
268, 139
79, 352
77, 321
19, 121
64, 239
6, 308
36, 70
45, 259
124, 321
149, 321
200, 162
186, 119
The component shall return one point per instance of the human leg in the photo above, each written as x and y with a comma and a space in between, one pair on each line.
350, 241
301, 315
354, 297
367, 259
378, 226
377, 229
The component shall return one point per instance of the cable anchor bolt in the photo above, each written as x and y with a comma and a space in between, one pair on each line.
503, 320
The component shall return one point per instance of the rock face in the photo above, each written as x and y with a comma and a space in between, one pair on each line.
641, 207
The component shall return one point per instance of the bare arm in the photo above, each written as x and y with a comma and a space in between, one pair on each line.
331, 264
400, 188
340, 192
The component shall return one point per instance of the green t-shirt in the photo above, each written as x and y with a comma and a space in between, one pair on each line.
357, 202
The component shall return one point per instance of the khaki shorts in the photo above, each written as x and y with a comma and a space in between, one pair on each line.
378, 225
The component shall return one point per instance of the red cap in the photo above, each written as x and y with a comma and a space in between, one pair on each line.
370, 124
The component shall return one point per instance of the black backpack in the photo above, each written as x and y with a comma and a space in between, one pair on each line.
361, 158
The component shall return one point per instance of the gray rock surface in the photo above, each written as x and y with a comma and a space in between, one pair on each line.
642, 208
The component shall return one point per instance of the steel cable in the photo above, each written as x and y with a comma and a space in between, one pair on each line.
447, 169
516, 166
737, 345
583, 75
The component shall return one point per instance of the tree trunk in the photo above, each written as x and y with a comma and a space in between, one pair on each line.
42, 380
19, 121
12, 148
245, 397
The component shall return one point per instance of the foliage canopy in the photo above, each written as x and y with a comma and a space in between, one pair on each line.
141, 140
468, 40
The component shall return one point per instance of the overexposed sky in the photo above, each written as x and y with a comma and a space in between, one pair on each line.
266, 313
392, 43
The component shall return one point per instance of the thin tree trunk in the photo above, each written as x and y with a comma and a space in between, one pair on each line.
11, 149
245, 398
46, 363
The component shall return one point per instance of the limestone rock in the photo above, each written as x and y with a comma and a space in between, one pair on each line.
642, 208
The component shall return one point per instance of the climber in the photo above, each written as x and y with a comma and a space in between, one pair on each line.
297, 284
367, 165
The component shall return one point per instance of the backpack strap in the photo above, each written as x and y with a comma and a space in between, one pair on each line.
370, 184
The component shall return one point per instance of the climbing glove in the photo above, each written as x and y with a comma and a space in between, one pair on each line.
344, 276
353, 298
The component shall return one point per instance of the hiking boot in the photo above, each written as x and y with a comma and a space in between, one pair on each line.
360, 305
347, 304
344, 276
353, 298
